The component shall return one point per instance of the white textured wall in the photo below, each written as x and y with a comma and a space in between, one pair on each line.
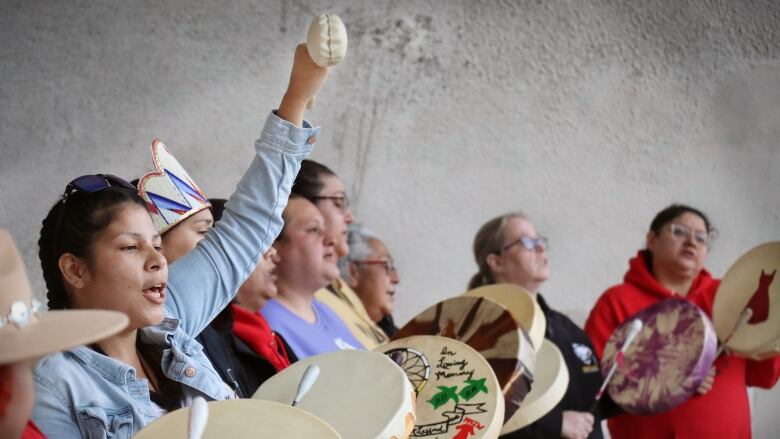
589, 116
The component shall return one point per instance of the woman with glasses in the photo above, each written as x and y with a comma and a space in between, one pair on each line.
99, 249
672, 265
321, 186
370, 272
508, 249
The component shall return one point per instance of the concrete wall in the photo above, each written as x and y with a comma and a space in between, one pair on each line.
589, 116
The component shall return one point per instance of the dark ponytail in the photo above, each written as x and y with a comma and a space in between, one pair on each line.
308, 183
72, 227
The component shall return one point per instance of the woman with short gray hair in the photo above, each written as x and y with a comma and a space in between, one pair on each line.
369, 270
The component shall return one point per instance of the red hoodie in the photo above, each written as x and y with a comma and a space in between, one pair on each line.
724, 411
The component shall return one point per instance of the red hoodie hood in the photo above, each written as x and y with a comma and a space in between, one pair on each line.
639, 276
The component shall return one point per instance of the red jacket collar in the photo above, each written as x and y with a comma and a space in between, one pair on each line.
639, 275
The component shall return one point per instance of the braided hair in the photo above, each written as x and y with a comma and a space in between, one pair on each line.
72, 227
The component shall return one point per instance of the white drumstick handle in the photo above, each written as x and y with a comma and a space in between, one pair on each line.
636, 327
747, 313
309, 377
199, 416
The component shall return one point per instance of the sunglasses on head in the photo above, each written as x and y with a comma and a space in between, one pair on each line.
94, 183
87, 184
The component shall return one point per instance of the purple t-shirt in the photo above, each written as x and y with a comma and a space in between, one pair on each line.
306, 339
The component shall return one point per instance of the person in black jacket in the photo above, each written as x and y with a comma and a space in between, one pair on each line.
239, 342
508, 250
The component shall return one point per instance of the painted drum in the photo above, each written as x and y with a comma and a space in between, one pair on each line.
667, 361
459, 397
521, 304
751, 283
551, 379
490, 329
243, 419
361, 394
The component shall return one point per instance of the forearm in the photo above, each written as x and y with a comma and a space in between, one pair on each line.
206, 279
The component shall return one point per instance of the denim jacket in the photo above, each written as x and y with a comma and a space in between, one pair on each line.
81, 393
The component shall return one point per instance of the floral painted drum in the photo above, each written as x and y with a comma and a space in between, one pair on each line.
458, 396
670, 357
489, 328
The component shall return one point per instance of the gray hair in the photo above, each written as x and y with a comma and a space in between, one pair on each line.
358, 239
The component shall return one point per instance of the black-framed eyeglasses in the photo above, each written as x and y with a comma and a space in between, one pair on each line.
387, 264
87, 184
340, 201
528, 243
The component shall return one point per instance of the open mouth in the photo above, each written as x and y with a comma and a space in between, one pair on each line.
155, 293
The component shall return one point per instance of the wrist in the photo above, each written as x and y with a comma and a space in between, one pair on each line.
294, 99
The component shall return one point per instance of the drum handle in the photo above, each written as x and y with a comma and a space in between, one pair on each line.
747, 313
309, 376
199, 415
636, 327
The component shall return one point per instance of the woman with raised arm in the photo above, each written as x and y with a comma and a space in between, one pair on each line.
672, 265
100, 250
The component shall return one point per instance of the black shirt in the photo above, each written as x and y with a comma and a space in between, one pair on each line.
243, 369
584, 377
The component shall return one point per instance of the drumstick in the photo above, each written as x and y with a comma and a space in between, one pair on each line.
199, 415
309, 376
747, 313
326, 41
636, 326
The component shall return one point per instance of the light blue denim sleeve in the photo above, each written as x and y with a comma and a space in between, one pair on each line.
201, 283
52, 416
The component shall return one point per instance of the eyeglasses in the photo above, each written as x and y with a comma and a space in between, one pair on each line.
340, 201
94, 183
701, 237
388, 264
87, 184
528, 243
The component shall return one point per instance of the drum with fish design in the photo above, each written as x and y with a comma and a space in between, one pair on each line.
461, 397
489, 328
